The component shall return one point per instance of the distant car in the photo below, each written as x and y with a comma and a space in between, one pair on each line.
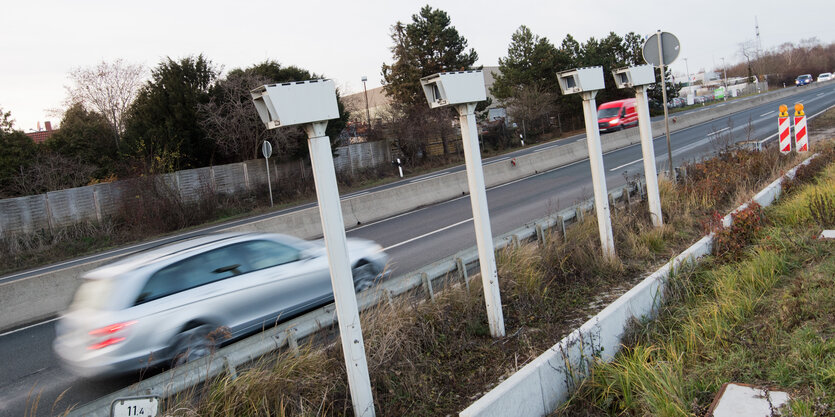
803, 80
826, 76
617, 115
677, 102
176, 303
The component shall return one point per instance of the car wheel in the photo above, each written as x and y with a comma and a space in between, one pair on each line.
194, 344
364, 275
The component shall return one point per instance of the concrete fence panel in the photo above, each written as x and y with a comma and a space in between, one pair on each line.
24, 214
71, 206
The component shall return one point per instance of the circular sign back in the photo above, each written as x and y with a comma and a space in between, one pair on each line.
669, 47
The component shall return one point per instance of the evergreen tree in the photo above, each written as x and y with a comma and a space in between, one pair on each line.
16, 153
530, 61
423, 47
86, 136
162, 126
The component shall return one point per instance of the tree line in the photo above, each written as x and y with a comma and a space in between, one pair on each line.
119, 121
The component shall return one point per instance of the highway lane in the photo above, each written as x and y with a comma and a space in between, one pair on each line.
414, 239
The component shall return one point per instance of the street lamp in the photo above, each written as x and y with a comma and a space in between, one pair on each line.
311, 104
587, 82
367, 112
724, 80
639, 77
690, 95
464, 89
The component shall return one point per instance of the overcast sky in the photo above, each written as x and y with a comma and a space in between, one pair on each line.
41, 41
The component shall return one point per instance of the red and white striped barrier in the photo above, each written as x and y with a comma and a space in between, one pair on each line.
783, 131
801, 139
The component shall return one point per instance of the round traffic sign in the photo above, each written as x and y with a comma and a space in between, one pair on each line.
669, 48
266, 149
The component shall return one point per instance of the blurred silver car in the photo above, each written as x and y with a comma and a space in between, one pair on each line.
176, 303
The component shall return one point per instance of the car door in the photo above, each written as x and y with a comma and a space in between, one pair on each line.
192, 289
280, 283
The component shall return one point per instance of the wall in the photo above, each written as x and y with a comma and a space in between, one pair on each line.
63, 208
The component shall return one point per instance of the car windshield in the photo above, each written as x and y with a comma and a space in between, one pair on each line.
805, 77
607, 113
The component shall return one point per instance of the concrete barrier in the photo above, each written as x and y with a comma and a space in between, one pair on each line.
546, 382
45, 295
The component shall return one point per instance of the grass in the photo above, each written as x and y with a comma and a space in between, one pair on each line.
762, 318
435, 358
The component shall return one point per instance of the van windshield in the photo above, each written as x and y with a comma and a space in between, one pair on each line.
607, 113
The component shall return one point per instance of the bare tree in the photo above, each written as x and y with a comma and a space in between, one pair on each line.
50, 171
230, 120
530, 104
108, 88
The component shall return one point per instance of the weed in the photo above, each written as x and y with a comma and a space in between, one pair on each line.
822, 209
729, 242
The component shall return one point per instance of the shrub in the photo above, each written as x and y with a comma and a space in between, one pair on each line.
729, 242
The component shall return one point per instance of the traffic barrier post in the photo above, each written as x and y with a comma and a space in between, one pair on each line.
783, 131
801, 139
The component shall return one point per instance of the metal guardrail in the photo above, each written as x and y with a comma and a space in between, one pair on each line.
229, 358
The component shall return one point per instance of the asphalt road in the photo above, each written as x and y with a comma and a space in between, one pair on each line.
29, 372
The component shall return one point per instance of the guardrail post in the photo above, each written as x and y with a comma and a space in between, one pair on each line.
427, 284
611, 199
561, 223
387, 294
462, 271
578, 213
515, 240
230, 369
540, 235
292, 343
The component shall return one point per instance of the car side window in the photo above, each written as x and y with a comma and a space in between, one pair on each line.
260, 254
193, 272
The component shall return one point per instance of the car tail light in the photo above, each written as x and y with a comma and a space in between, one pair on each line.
107, 333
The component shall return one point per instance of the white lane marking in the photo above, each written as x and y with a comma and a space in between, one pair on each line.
718, 131
428, 177
27, 327
426, 234
766, 113
499, 160
720, 105
580, 140
626, 164
820, 94
354, 195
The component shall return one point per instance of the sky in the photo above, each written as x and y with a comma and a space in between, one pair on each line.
42, 41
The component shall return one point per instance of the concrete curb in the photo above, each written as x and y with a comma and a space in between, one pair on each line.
547, 381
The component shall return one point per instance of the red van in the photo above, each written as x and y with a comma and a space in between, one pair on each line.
617, 115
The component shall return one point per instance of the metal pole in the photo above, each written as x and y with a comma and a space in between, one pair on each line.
664, 99
367, 112
598, 176
724, 80
333, 229
269, 180
689, 82
648, 149
481, 219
